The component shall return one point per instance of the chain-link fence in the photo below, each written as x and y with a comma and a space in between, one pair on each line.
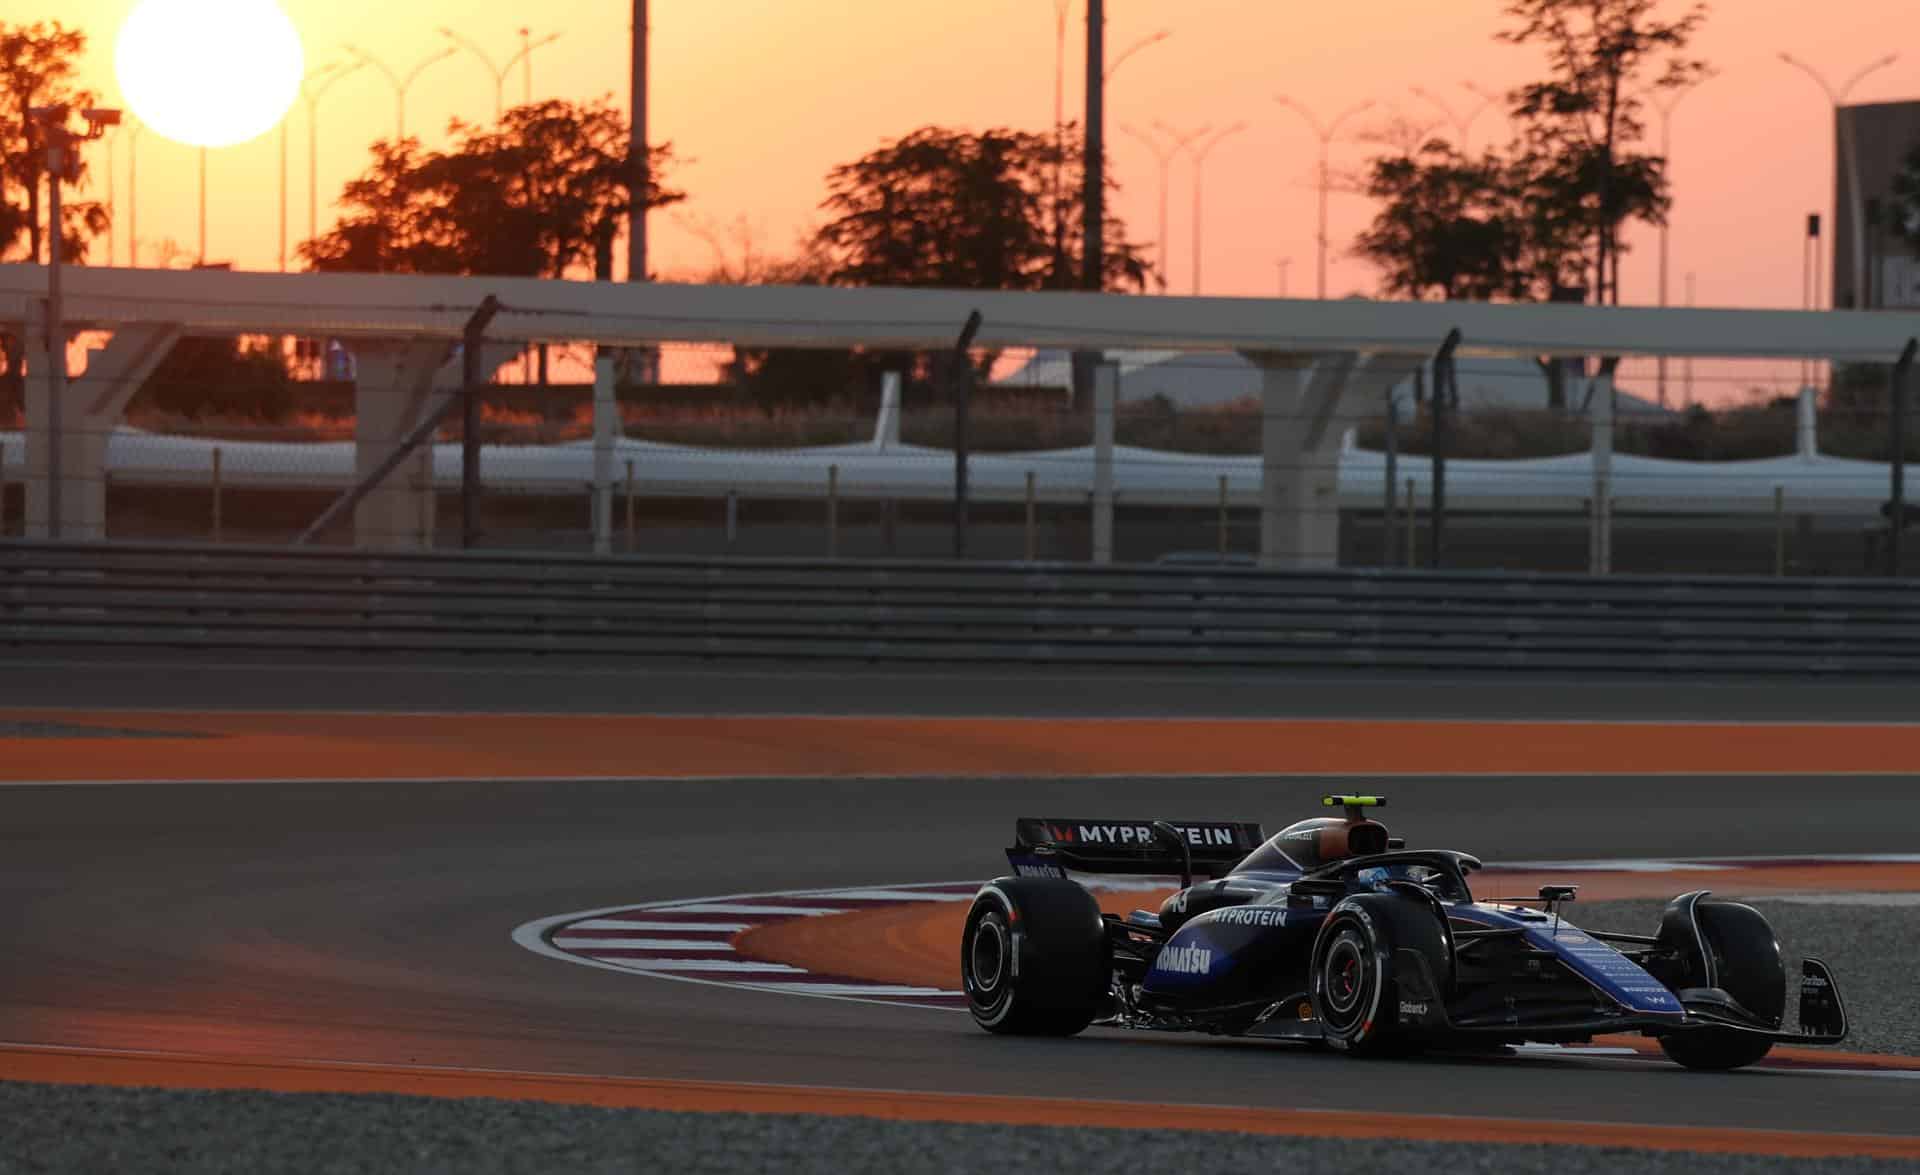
1745, 468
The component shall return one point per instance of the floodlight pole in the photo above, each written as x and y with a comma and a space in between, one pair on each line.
1093, 166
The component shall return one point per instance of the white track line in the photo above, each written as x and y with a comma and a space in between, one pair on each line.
678, 927
571, 943
742, 966
744, 908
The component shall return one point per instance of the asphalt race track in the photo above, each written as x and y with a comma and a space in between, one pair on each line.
370, 922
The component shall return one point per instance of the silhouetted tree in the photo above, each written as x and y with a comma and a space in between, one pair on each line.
1448, 226
1543, 214
964, 210
1580, 124
543, 192
38, 67
39, 63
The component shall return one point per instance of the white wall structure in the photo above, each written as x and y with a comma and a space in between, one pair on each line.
1351, 335
1191, 380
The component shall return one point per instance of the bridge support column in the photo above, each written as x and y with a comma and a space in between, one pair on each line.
1305, 404
394, 383
92, 407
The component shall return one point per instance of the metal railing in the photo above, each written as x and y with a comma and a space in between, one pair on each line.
222, 598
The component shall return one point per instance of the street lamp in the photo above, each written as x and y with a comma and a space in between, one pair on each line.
306, 83
401, 84
500, 72
1461, 123
1199, 170
1851, 160
1147, 41
1666, 108
312, 89
1326, 133
63, 166
1166, 153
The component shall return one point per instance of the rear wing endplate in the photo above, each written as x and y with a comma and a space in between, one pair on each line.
1050, 846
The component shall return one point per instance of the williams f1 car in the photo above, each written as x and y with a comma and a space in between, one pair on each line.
1335, 932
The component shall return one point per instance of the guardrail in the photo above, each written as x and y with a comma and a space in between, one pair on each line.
222, 597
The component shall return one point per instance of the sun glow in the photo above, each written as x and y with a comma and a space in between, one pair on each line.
209, 73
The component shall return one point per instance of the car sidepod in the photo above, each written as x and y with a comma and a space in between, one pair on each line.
1236, 955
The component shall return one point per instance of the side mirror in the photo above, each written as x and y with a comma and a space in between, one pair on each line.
1555, 894
1176, 839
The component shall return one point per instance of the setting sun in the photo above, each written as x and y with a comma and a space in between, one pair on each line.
209, 73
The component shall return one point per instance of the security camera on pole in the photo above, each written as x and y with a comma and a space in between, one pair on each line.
63, 167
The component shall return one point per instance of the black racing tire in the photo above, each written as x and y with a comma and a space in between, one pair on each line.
1034, 958
1747, 966
1354, 986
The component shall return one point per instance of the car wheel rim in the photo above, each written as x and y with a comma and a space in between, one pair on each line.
1346, 981
987, 961
1343, 976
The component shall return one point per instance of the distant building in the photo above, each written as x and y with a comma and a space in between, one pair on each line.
1884, 134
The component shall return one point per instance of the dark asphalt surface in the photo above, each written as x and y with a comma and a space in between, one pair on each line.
371, 922
124, 679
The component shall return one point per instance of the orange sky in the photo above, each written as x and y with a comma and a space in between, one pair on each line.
763, 96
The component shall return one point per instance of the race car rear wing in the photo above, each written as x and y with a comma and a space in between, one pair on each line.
1050, 846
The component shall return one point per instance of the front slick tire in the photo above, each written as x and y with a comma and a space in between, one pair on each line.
1356, 995
1034, 958
1747, 965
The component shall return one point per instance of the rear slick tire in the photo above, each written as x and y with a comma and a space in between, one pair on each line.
1034, 957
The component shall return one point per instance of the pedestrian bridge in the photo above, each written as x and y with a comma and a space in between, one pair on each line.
1315, 357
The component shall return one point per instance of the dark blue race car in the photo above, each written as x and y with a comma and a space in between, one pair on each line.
1334, 931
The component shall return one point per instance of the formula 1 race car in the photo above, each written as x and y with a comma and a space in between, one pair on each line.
1334, 932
